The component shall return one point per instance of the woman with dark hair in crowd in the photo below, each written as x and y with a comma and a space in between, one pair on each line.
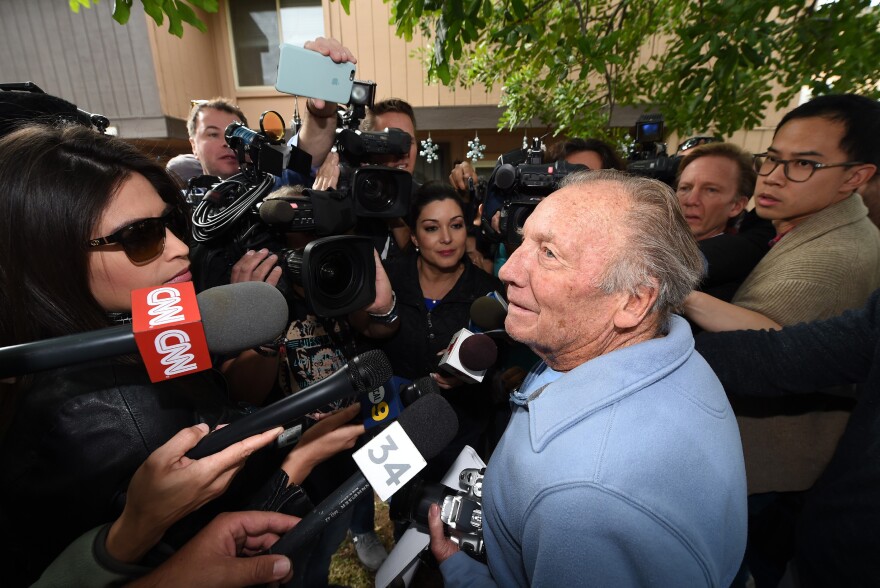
435, 286
84, 220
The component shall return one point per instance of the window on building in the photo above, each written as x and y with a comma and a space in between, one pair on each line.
260, 26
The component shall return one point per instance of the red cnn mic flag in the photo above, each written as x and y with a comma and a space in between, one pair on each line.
168, 330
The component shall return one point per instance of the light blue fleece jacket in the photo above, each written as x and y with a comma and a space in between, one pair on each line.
626, 471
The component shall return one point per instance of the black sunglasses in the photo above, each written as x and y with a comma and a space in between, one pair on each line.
144, 240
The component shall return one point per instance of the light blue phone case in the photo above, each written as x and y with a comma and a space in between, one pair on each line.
303, 72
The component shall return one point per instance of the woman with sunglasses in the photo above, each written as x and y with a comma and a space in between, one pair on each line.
84, 220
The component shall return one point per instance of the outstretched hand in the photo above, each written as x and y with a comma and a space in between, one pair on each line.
169, 486
336, 51
324, 439
213, 557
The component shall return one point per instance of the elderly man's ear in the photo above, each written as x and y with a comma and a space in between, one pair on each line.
633, 307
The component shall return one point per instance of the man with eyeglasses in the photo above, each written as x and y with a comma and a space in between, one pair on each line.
824, 259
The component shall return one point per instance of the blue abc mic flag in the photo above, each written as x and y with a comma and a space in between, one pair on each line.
382, 405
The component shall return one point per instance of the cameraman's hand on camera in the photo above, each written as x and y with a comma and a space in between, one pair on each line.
460, 174
496, 221
328, 174
382, 305
384, 294
169, 485
213, 557
257, 266
324, 439
441, 546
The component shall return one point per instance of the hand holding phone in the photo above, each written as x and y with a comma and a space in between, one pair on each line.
323, 70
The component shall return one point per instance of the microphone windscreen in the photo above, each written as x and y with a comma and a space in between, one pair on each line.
430, 423
505, 176
418, 388
478, 352
276, 212
488, 313
370, 370
240, 316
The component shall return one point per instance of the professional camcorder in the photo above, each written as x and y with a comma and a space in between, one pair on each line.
337, 272
377, 191
648, 156
461, 511
524, 180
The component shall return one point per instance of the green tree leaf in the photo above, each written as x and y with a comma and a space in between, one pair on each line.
572, 63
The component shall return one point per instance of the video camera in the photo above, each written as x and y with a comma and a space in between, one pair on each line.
265, 151
337, 272
377, 191
461, 511
523, 180
648, 156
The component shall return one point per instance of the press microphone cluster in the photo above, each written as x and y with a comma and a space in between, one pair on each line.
234, 317
429, 423
365, 372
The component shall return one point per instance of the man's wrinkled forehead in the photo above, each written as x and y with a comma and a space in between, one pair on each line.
575, 213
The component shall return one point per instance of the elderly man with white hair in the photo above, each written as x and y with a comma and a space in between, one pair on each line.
622, 463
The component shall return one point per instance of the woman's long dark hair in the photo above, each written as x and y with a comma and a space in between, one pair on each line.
55, 183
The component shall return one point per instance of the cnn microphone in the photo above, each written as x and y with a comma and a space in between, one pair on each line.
366, 371
430, 423
235, 317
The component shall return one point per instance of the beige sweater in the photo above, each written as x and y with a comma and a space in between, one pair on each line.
827, 264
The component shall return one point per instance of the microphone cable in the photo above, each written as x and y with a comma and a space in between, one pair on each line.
214, 216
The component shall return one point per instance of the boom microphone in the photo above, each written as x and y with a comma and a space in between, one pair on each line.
430, 423
365, 372
235, 317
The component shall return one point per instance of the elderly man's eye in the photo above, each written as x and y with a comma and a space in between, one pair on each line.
547, 253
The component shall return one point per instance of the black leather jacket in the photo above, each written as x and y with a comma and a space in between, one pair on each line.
79, 434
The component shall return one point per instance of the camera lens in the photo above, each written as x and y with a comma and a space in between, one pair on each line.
334, 273
376, 194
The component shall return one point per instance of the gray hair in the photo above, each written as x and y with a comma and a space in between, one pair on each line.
660, 249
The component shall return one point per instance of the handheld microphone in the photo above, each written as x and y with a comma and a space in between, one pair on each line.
235, 317
411, 392
366, 371
468, 356
430, 423
478, 352
488, 312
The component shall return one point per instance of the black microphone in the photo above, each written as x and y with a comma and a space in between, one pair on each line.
488, 312
478, 352
430, 423
365, 372
411, 392
468, 356
235, 317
